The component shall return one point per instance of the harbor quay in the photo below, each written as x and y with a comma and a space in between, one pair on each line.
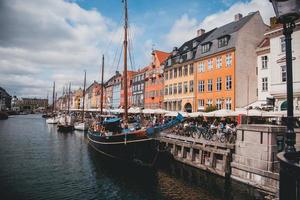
251, 159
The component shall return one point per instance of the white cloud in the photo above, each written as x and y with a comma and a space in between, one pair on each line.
41, 42
185, 27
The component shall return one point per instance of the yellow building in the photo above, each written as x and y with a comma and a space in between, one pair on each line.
179, 76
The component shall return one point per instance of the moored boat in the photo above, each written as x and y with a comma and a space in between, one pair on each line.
81, 126
52, 120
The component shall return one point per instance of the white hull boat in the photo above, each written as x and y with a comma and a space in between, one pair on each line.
83, 126
52, 120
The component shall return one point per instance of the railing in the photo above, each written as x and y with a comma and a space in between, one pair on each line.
289, 186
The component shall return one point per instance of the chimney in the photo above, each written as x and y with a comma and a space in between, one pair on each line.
273, 22
200, 32
237, 17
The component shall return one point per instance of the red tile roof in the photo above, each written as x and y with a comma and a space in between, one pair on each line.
161, 55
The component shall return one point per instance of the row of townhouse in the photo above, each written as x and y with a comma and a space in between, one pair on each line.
239, 64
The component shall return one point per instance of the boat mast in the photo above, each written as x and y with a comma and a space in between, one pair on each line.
102, 86
83, 95
53, 98
69, 92
125, 64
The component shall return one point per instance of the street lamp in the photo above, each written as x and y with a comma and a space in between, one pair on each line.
287, 11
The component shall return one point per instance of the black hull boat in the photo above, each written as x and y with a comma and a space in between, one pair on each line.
131, 147
65, 128
138, 146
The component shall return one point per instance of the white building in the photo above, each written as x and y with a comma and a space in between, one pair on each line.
271, 67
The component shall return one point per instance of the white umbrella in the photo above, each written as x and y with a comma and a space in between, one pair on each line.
148, 111
196, 114
174, 114
221, 113
134, 110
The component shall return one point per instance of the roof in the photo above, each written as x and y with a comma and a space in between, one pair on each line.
229, 30
264, 43
161, 55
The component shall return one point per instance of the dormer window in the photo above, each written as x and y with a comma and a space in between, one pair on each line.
185, 48
169, 62
223, 41
205, 47
195, 43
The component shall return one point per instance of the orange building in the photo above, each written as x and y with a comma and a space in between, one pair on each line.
154, 81
226, 64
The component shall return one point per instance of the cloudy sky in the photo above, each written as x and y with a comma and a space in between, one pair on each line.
42, 41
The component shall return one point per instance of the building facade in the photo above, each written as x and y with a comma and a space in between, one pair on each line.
130, 75
154, 81
138, 88
277, 63
179, 75
5, 99
226, 64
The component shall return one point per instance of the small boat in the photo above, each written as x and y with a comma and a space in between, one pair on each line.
66, 122
52, 120
81, 126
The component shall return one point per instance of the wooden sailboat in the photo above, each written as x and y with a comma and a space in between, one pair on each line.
65, 123
83, 124
111, 139
53, 119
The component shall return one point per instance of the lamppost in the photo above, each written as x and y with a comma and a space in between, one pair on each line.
287, 12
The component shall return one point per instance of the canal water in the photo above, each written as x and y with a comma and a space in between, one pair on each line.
37, 162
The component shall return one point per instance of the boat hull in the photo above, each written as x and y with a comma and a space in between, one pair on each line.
65, 128
52, 120
138, 149
81, 126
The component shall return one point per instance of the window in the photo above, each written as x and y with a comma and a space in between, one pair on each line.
219, 84
205, 48
185, 87
264, 82
228, 60
191, 86
175, 72
228, 83
179, 88
200, 104
170, 89
201, 67
223, 41
175, 88
166, 75
283, 73
191, 69
209, 64
228, 103
219, 104
201, 86
169, 62
282, 44
219, 62
166, 90
185, 70
264, 62
180, 71
209, 102
209, 85
171, 74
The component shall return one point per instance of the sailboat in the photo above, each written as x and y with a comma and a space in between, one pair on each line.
111, 139
53, 119
82, 125
65, 123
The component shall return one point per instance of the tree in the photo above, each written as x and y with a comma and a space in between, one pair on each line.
210, 108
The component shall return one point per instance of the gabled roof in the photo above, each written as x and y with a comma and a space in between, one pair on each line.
161, 55
264, 43
230, 30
